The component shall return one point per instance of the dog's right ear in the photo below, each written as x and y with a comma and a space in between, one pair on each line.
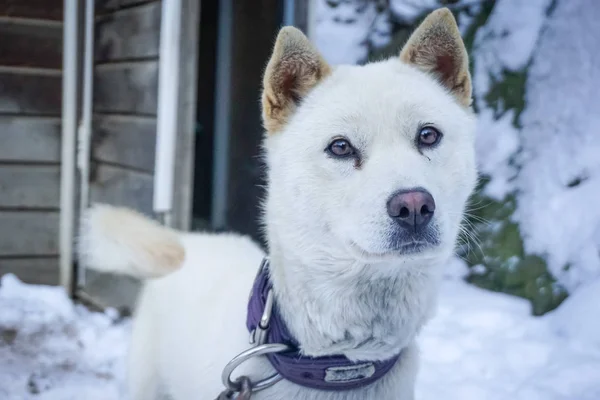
295, 67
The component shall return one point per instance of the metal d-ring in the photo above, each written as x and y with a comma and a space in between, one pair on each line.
244, 356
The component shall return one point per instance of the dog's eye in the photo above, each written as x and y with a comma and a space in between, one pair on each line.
428, 136
340, 148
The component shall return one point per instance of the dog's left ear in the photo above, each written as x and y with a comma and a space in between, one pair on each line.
436, 47
293, 70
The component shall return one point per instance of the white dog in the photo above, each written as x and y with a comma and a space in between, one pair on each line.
369, 171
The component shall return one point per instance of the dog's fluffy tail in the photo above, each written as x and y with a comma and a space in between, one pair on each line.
119, 240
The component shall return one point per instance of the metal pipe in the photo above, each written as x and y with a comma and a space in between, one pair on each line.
84, 133
222, 114
68, 144
168, 105
289, 12
311, 19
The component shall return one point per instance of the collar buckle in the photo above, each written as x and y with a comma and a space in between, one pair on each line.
258, 336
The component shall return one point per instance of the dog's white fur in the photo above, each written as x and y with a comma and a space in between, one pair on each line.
340, 289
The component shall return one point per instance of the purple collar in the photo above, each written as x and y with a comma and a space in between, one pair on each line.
323, 373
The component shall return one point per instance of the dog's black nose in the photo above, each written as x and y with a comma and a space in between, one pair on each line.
412, 209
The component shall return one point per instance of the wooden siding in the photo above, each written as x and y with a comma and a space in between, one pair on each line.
122, 187
125, 140
128, 88
30, 107
28, 233
39, 270
48, 10
124, 127
29, 139
29, 186
128, 34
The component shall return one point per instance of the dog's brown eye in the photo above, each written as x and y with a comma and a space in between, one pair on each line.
341, 148
428, 136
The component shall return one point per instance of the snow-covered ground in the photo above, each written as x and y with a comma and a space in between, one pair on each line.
480, 346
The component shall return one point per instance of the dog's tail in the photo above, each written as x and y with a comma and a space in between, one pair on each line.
121, 241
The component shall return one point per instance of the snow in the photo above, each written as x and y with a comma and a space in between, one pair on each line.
507, 40
53, 350
481, 345
484, 345
551, 162
505, 43
561, 146
497, 141
344, 33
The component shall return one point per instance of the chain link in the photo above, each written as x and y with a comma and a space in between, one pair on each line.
245, 392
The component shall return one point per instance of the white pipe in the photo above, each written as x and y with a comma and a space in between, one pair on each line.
311, 19
168, 95
85, 126
69, 134
289, 12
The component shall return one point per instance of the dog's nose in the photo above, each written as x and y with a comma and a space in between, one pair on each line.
413, 209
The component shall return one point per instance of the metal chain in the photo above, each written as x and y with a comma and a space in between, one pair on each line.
245, 392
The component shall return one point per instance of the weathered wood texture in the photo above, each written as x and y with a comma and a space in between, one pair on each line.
29, 186
30, 108
127, 141
28, 92
128, 88
186, 118
30, 44
28, 233
122, 187
124, 127
39, 270
108, 290
39, 9
107, 6
29, 139
128, 34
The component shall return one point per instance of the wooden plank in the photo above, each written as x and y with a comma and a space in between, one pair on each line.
128, 34
29, 186
30, 45
186, 118
129, 88
104, 6
30, 93
124, 140
28, 233
109, 290
30, 139
41, 271
41, 9
118, 186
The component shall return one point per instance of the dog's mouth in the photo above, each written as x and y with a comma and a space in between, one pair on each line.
408, 248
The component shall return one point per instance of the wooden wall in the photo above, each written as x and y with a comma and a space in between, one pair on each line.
30, 108
125, 102
126, 51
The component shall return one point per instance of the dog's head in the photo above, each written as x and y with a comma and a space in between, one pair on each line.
371, 162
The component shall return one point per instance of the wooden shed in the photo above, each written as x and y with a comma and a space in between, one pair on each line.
83, 103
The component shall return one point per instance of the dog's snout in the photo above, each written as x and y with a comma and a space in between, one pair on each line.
413, 209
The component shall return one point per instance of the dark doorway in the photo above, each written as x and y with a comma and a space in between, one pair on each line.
205, 114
